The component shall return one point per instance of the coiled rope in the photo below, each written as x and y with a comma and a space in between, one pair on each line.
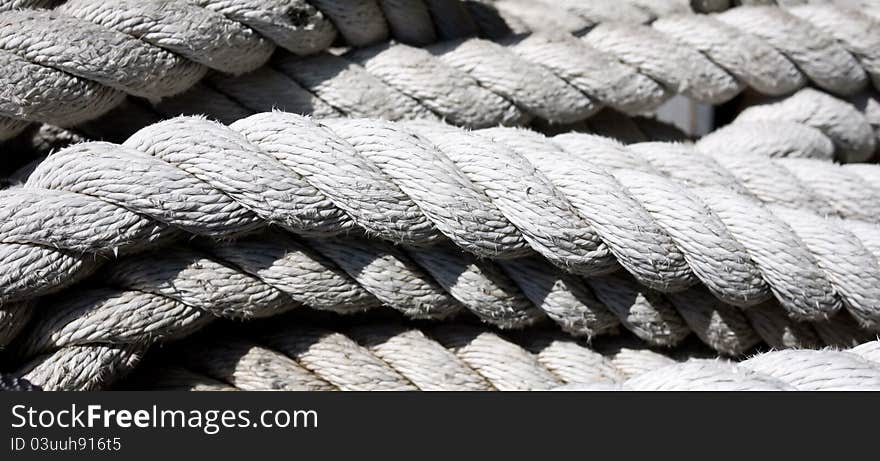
479, 83
588, 205
375, 355
503, 229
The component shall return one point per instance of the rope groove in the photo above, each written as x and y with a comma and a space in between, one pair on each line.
800, 37
798, 121
807, 124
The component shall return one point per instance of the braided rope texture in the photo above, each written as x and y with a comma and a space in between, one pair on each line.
382, 355
470, 82
431, 220
843, 290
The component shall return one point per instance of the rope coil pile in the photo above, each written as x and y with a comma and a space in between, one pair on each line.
749, 235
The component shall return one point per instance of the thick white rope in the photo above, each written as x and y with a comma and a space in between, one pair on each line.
520, 16
553, 77
846, 21
414, 185
28, 149
605, 78
476, 83
79, 60
437, 276
296, 355
163, 297
808, 124
443, 182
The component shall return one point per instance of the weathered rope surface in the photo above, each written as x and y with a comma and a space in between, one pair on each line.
378, 355
557, 78
729, 253
436, 181
465, 83
80, 59
809, 123
588, 205
145, 299
852, 24
23, 152
565, 66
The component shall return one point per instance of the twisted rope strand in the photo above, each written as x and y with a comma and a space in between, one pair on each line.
850, 131
423, 195
170, 303
396, 81
159, 48
82, 367
167, 297
411, 183
79, 60
807, 124
555, 78
577, 17
383, 356
790, 31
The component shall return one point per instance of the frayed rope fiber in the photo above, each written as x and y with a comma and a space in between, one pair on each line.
711, 232
557, 78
